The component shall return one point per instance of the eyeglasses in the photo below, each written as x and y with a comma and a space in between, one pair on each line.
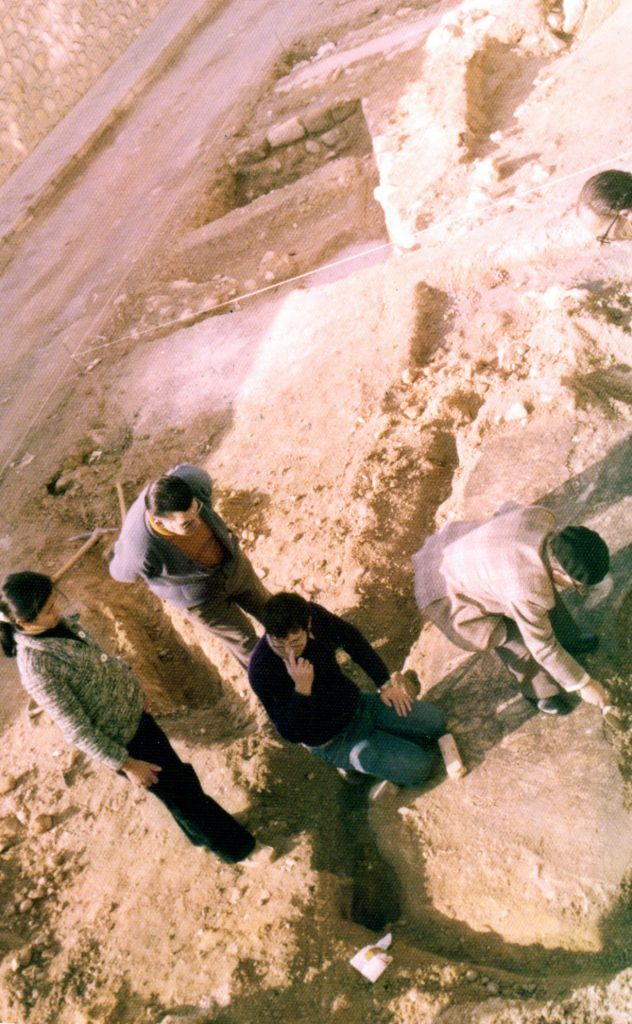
562, 579
579, 588
281, 644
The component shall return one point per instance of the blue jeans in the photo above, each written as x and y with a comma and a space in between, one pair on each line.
378, 742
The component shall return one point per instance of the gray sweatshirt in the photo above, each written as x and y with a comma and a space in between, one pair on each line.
95, 699
140, 553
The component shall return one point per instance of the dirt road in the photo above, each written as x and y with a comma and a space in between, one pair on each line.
74, 261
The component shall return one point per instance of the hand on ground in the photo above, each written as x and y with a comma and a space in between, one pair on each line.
594, 693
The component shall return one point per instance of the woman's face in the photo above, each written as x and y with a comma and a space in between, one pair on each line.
47, 618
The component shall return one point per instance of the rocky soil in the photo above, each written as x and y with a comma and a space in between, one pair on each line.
467, 343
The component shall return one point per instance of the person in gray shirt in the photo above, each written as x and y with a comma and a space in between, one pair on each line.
174, 540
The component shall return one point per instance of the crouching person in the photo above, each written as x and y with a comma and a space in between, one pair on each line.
98, 704
294, 672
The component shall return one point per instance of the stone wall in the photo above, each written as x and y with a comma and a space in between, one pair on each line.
51, 52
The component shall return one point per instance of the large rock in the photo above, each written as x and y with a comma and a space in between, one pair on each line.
535, 843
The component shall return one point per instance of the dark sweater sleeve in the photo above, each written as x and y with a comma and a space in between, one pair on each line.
350, 639
290, 712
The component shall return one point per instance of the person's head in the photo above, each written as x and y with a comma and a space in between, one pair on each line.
582, 555
605, 205
28, 602
286, 620
608, 192
171, 503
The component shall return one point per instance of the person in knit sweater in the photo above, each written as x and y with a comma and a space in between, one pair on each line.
99, 706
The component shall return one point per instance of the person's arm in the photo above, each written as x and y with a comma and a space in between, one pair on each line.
45, 682
124, 567
350, 639
342, 634
134, 555
534, 623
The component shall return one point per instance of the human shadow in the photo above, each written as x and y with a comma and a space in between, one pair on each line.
334, 814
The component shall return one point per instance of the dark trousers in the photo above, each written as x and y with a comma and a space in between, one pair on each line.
201, 819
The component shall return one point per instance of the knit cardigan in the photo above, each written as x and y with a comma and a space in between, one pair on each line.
95, 699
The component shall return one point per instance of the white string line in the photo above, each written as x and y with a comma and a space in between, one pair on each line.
465, 215
277, 284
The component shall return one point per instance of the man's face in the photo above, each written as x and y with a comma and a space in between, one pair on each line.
294, 643
562, 581
181, 523
47, 618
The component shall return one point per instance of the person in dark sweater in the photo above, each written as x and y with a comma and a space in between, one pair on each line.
294, 672
99, 706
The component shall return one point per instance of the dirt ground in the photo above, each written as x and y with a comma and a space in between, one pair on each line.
466, 343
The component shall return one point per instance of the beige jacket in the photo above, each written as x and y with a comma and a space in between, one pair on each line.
492, 569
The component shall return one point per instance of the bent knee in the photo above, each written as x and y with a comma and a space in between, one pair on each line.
414, 774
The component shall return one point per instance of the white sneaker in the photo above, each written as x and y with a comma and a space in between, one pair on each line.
260, 855
350, 776
383, 788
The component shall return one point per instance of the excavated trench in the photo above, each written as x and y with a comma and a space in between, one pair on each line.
280, 204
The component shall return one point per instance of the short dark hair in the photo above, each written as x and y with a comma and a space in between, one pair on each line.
607, 193
168, 494
582, 553
285, 613
22, 596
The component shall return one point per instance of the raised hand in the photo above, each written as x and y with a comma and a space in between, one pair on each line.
301, 672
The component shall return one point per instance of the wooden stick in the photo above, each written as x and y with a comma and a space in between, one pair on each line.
123, 512
92, 540
121, 500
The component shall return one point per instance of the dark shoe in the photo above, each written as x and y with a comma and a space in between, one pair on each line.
583, 643
557, 705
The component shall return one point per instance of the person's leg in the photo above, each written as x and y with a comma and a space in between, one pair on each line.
202, 820
227, 622
373, 751
424, 721
245, 588
534, 682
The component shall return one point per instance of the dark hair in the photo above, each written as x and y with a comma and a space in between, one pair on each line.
22, 596
284, 613
582, 553
607, 193
168, 494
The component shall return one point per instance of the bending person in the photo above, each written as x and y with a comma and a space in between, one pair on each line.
98, 704
493, 585
294, 673
174, 540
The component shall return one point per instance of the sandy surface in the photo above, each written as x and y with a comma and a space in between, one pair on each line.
343, 416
